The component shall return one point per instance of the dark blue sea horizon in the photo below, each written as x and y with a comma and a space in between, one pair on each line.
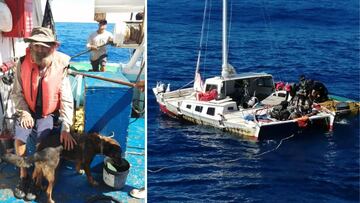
191, 163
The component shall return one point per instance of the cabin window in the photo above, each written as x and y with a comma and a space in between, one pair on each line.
238, 84
198, 108
230, 108
264, 82
188, 106
210, 87
210, 111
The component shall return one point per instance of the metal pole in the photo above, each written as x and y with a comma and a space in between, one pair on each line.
71, 72
86, 51
224, 37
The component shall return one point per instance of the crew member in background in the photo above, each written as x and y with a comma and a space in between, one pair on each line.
41, 89
97, 44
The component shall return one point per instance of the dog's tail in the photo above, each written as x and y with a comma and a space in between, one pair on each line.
44, 154
17, 160
26, 162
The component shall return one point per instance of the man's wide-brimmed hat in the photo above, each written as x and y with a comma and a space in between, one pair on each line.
41, 36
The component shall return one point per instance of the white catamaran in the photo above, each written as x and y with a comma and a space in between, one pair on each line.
238, 103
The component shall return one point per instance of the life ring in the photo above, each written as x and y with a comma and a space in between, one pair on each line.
5, 18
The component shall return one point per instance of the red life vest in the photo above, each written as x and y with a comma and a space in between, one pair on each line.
51, 82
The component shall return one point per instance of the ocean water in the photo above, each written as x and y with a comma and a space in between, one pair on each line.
190, 163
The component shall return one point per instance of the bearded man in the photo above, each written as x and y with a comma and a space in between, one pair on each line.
41, 90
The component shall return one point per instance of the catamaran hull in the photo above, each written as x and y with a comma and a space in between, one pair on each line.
253, 131
242, 130
286, 129
180, 105
166, 111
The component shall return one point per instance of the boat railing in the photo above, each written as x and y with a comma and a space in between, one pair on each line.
178, 93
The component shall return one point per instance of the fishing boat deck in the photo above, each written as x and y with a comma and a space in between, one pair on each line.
71, 187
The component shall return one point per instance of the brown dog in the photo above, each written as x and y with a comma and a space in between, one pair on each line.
47, 157
46, 162
88, 145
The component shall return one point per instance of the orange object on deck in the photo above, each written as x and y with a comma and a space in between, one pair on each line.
207, 96
302, 121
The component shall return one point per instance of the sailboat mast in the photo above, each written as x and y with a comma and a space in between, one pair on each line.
224, 38
227, 69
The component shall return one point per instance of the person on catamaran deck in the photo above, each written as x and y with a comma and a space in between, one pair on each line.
314, 90
97, 44
44, 67
304, 86
319, 92
304, 107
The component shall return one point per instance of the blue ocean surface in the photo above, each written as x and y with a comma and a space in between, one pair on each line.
73, 39
191, 163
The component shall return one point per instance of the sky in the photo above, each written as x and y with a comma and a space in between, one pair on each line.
79, 11
72, 10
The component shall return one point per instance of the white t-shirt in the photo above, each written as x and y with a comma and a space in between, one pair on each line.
98, 39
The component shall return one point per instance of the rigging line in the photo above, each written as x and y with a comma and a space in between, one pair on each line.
266, 152
185, 85
277, 147
269, 26
201, 37
228, 161
203, 24
207, 37
185, 165
160, 169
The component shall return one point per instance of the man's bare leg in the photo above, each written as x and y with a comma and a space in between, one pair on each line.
20, 149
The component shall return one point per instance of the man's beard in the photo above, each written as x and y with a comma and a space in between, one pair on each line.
41, 59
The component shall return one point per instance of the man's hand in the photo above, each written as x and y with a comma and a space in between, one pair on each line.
67, 140
111, 42
26, 121
93, 47
140, 85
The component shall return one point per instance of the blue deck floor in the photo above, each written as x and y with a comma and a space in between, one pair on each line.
71, 187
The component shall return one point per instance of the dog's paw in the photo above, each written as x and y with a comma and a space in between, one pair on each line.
94, 183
